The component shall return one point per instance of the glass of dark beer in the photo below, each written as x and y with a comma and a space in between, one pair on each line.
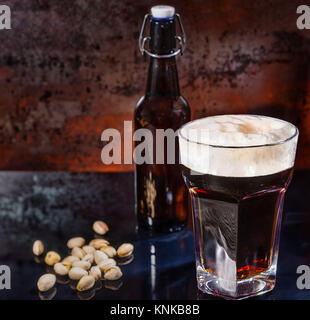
237, 169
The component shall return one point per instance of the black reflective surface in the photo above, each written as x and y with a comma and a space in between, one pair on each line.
56, 206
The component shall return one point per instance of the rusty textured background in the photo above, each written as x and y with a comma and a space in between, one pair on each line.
70, 69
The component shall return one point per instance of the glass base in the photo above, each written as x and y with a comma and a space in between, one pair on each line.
240, 289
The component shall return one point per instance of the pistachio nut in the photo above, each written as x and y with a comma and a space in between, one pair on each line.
95, 272
109, 251
51, 258
75, 242
125, 250
100, 256
77, 273
78, 252
113, 273
46, 282
85, 283
38, 247
99, 243
89, 249
106, 264
81, 264
61, 269
100, 227
67, 261
89, 257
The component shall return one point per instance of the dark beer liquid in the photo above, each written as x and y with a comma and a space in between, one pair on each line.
161, 195
240, 215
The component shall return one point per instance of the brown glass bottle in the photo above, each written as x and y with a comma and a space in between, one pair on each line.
161, 196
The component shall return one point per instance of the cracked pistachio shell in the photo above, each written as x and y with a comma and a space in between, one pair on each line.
51, 258
125, 250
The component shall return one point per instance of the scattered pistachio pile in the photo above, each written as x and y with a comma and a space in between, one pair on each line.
87, 263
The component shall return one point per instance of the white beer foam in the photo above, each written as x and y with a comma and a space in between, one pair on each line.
201, 141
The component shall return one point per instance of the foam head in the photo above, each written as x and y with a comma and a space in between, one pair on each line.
238, 145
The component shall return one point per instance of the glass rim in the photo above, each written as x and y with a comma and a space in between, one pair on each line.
241, 147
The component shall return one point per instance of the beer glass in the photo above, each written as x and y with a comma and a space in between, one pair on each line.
237, 169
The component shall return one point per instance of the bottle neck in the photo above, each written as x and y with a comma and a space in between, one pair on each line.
163, 78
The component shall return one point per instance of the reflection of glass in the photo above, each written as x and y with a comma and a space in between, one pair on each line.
62, 279
124, 261
73, 284
98, 285
237, 169
113, 285
48, 295
38, 259
86, 295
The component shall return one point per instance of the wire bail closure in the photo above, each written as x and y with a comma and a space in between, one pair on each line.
143, 40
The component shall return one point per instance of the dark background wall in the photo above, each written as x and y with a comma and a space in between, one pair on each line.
70, 69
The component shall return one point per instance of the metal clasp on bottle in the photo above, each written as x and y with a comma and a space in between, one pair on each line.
181, 39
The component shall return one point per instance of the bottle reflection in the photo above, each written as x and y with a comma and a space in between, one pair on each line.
167, 281
153, 271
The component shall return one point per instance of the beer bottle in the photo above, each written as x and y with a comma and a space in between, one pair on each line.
161, 198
